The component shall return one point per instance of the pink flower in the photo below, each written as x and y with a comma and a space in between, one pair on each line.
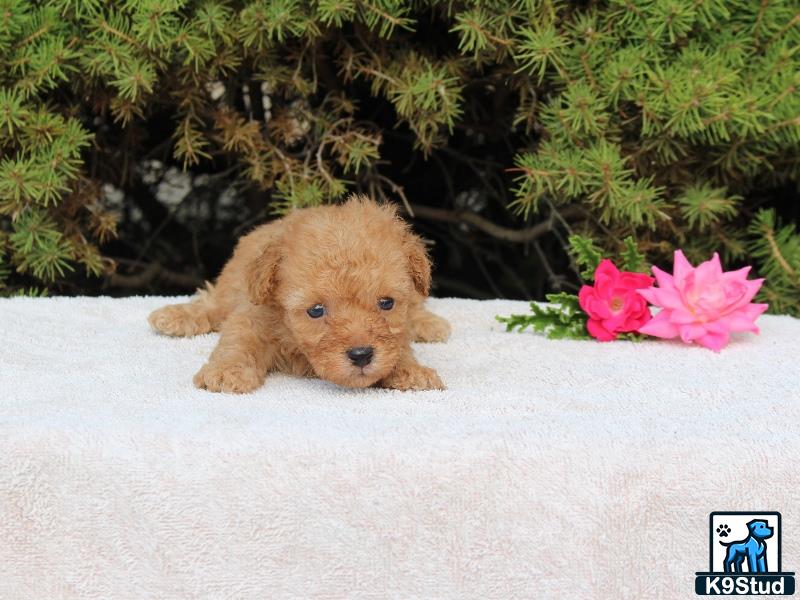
612, 303
702, 304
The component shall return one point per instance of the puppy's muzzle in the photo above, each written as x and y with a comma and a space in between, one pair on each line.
360, 356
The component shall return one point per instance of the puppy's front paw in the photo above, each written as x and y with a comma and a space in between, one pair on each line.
413, 378
178, 320
432, 328
228, 378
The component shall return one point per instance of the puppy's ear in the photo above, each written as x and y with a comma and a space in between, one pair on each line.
418, 263
263, 274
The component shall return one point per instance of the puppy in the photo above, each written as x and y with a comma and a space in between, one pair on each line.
333, 291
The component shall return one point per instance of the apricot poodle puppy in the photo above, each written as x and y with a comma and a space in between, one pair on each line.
333, 291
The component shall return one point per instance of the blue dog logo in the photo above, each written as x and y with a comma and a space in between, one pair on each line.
744, 556
753, 548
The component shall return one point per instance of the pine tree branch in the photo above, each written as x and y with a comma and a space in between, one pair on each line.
154, 272
507, 234
778, 255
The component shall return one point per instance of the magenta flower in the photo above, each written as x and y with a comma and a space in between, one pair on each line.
612, 303
702, 304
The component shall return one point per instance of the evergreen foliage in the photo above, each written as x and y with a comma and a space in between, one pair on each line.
659, 121
777, 248
562, 318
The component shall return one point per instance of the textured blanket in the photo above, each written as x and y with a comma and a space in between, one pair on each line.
547, 469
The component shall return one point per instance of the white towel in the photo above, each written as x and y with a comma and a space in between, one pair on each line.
547, 469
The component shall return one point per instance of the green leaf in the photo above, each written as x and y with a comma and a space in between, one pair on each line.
561, 319
586, 254
632, 259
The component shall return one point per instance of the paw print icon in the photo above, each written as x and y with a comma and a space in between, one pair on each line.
723, 530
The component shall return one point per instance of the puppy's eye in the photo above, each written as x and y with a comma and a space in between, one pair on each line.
386, 303
316, 311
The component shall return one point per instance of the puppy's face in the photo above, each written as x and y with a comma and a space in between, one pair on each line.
343, 280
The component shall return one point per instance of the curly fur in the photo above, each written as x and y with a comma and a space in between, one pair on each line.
345, 257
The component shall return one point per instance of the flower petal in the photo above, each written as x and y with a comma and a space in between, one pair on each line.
584, 295
751, 288
714, 341
605, 279
690, 333
738, 274
668, 298
596, 308
744, 319
681, 267
660, 326
755, 309
608, 268
663, 278
716, 265
597, 331
635, 280
707, 274
635, 320
682, 317
648, 294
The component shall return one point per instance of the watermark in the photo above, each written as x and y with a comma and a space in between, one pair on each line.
744, 556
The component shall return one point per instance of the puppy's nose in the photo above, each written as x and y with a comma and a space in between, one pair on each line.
360, 356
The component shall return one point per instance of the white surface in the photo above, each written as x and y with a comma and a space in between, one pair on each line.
548, 469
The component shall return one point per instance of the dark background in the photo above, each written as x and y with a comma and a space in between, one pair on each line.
171, 248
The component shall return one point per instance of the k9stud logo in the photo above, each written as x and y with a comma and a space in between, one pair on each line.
745, 556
